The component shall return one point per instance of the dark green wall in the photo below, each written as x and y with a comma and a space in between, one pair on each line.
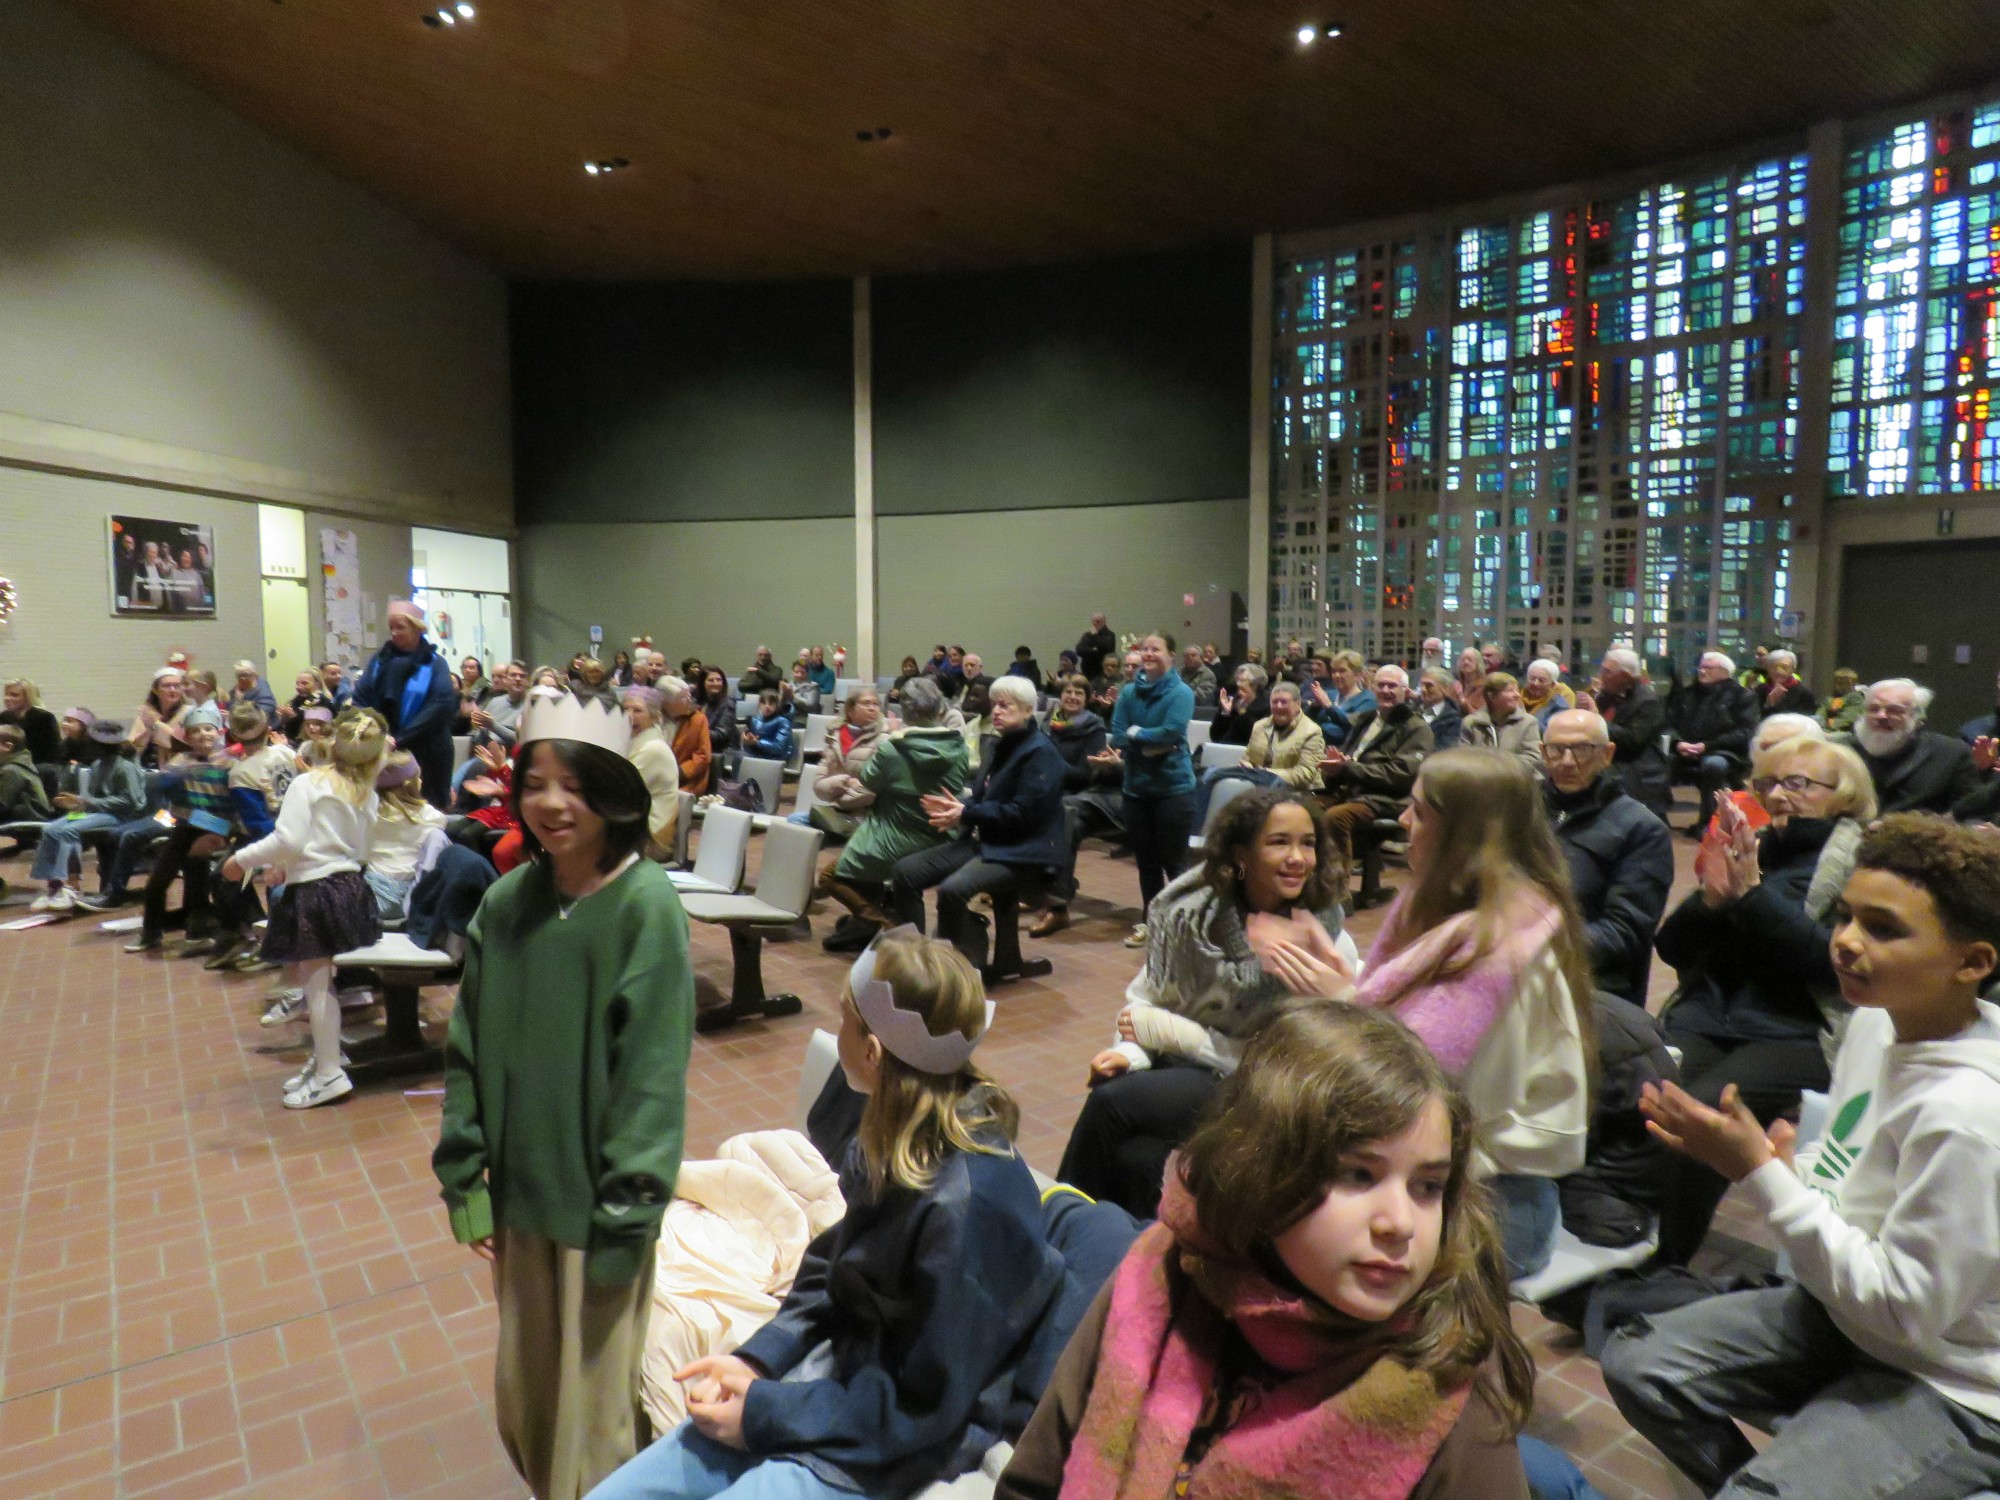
1116, 382
1901, 595
1113, 382
682, 402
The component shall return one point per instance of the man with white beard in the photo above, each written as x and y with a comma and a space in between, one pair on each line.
1915, 769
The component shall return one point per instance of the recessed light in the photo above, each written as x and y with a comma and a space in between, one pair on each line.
464, 10
1308, 35
606, 165
448, 15
590, 167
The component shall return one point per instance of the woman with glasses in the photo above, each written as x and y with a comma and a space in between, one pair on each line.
1757, 1009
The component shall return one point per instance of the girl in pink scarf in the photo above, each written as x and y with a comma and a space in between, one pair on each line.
1321, 1309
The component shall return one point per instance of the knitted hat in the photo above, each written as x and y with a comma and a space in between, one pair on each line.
201, 713
399, 769
108, 731
168, 671
318, 715
82, 716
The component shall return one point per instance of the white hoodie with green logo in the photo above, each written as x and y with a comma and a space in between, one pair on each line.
1894, 1224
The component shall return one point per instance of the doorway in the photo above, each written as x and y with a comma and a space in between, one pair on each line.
1913, 609
287, 634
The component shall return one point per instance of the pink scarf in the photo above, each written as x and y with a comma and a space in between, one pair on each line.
1454, 1015
1338, 1417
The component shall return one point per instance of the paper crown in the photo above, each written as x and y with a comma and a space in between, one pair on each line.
903, 1032
558, 715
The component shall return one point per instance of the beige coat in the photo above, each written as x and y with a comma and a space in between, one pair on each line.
654, 757
1520, 736
1294, 754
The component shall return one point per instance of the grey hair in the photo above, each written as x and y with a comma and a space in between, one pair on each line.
1286, 686
1015, 690
1624, 659
1438, 675
672, 687
1553, 668
1728, 661
1787, 727
1400, 673
1789, 658
922, 701
1921, 694
1258, 676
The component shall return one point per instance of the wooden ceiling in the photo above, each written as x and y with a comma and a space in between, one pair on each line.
1021, 130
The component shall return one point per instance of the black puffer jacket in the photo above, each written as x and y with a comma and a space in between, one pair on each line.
1613, 1197
1637, 720
1621, 866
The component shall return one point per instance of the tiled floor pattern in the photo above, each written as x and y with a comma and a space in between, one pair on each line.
203, 1294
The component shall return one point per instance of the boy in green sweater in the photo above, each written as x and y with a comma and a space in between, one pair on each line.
565, 1096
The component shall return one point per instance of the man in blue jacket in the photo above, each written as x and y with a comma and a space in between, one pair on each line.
1009, 824
409, 684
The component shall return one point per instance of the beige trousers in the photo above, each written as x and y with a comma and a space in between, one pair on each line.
566, 1372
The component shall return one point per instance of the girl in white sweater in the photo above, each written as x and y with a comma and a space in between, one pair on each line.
324, 828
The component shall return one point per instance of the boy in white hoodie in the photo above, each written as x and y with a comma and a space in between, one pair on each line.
1884, 1358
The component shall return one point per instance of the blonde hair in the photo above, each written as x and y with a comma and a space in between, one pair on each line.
914, 1119
1349, 659
404, 802
360, 745
1854, 788
28, 690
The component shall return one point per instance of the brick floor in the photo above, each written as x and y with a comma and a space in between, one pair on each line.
204, 1294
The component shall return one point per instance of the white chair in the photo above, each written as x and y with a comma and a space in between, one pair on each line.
1574, 1263
842, 686
1198, 732
400, 969
822, 1057
1216, 756
461, 751
784, 889
769, 776
683, 828
1225, 792
813, 742
718, 863
806, 801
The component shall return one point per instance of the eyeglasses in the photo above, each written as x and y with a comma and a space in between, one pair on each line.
1797, 782
1569, 752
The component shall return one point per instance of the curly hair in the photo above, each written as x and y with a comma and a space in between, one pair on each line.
1317, 1082
1957, 864
1233, 832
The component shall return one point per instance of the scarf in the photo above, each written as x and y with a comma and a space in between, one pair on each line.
1338, 1414
1454, 1015
1200, 962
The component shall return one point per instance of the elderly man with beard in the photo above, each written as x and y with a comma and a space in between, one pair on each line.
1915, 769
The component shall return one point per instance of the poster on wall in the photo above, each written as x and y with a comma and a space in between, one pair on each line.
162, 568
340, 577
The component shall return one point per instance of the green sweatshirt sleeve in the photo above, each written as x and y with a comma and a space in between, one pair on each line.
459, 1161
645, 1116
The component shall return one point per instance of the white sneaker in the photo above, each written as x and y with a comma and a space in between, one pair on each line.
316, 1091
287, 1005
42, 902
62, 900
304, 1075
1136, 938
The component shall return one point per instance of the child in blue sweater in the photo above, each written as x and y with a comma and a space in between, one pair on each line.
768, 735
891, 1363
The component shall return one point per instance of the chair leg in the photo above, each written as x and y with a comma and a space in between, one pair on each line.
747, 1000
1007, 962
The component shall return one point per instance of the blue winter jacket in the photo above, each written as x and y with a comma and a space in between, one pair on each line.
413, 691
1015, 805
1149, 724
774, 736
928, 1300
823, 675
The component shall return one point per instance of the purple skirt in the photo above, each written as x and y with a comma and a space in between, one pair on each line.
314, 919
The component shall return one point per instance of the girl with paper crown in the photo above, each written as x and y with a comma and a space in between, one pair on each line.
565, 1094
891, 1363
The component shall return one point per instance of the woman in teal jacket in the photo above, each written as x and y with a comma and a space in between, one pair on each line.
1149, 735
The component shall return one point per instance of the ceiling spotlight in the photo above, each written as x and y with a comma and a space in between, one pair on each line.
464, 9
605, 166
590, 167
1308, 35
448, 18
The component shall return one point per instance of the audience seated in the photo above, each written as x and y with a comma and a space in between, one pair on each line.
1339, 704
768, 735
1543, 692
761, 676
1436, 708
23, 797
654, 757
692, 753
1915, 769
250, 687
39, 730
1757, 1001
1066, 668
307, 692
802, 693
1470, 673
850, 745
1503, 724
1842, 706
1637, 720
1372, 778
905, 673
1620, 856
718, 706
196, 784
1025, 665
1222, 948
974, 711
591, 682
1008, 828
923, 760
1985, 726
1713, 720
1110, 682
1783, 692
823, 676
1240, 711
1199, 677
108, 792
1285, 749
156, 724
1093, 791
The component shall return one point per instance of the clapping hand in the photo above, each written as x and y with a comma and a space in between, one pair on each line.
1108, 1064
1299, 954
716, 1389
1728, 1139
491, 756
943, 809
1986, 752
1333, 760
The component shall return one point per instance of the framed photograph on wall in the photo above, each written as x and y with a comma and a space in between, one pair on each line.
161, 568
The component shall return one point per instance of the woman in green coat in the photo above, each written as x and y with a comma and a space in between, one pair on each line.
910, 764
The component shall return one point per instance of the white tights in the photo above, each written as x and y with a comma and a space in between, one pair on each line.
323, 1008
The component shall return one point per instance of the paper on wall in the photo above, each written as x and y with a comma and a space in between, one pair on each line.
340, 573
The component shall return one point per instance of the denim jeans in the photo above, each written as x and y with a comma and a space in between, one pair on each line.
684, 1465
62, 844
1552, 1473
1530, 1214
1853, 1429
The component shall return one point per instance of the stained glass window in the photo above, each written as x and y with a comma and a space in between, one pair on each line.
1569, 427
1915, 355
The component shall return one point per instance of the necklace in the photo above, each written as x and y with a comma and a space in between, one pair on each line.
564, 909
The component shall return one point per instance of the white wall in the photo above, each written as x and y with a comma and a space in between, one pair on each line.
183, 293
456, 560
64, 637
713, 589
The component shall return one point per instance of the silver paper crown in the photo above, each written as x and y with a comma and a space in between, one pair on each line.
903, 1032
559, 715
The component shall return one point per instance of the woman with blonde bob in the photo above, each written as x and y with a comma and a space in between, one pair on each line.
1321, 1308
1757, 1011
925, 1292
1484, 957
